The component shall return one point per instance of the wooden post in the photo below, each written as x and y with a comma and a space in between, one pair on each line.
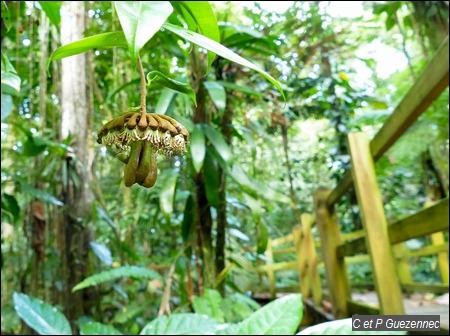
270, 271
330, 238
301, 260
403, 269
442, 257
373, 218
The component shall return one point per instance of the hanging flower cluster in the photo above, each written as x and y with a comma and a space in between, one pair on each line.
137, 138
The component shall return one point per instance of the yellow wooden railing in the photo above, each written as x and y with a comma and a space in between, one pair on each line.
379, 242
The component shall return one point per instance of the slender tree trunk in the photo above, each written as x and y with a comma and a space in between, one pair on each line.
75, 122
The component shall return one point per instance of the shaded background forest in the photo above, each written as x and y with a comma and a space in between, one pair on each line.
66, 213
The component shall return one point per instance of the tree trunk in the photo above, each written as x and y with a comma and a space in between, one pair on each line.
75, 122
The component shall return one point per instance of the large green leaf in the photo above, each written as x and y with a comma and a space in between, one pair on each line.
165, 101
10, 206
217, 93
40, 194
203, 19
6, 16
106, 40
116, 273
51, 9
41, 317
161, 79
167, 193
96, 328
218, 142
221, 50
7, 105
209, 304
279, 317
102, 252
141, 20
263, 235
10, 80
180, 324
343, 327
197, 147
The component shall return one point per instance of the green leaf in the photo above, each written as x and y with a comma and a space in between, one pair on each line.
116, 273
161, 79
263, 236
96, 328
106, 40
221, 50
197, 147
7, 105
218, 142
211, 177
102, 252
6, 16
105, 216
167, 193
205, 21
41, 317
180, 324
40, 194
141, 20
238, 234
10, 80
209, 305
9, 204
188, 218
343, 327
52, 10
217, 93
165, 101
279, 317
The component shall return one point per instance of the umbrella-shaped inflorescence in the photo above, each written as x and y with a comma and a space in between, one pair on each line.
137, 138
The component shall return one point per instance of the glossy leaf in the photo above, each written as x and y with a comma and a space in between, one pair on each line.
238, 234
180, 324
102, 252
116, 273
52, 10
343, 327
165, 101
218, 142
41, 317
106, 40
263, 236
96, 328
141, 20
10, 80
279, 317
6, 16
197, 147
161, 79
221, 50
217, 93
10, 206
209, 304
7, 105
167, 193
204, 20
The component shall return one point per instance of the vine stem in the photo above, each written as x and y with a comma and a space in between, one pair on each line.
143, 87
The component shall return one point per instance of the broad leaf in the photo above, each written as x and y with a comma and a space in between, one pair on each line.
7, 105
41, 317
180, 324
217, 93
343, 327
10, 80
40, 194
6, 16
141, 20
197, 147
106, 40
95, 328
218, 142
279, 317
263, 236
209, 304
102, 252
11, 207
167, 193
116, 273
238, 234
203, 19
52, 10
165, 101
221, 50
161, 79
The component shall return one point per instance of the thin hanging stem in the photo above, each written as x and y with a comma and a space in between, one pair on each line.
143, 87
